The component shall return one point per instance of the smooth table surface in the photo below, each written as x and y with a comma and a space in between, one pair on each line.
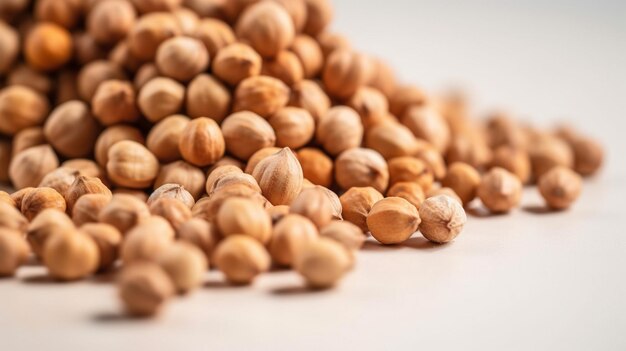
530, 280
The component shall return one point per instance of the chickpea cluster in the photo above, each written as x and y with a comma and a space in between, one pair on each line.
164, 138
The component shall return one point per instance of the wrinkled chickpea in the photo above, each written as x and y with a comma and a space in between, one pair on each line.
442, 218
393, 220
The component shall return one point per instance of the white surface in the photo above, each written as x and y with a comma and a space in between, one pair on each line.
519, 282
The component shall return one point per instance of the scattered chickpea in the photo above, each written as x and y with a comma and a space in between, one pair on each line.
241, 258
182, 58
356, 204
442, 218
144, 287
323, 263
410, 191
560, 187
40, 199
361, 167
463, 179
70, 255
164, 138
500, 190
246, 133
393, 220
108, 239
14, 251
124, 212
243, 216
280, 177
29, 167
185, 264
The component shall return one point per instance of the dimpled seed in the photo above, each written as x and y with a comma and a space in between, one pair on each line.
442, 218
393, 220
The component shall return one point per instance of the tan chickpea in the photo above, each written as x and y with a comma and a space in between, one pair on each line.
410, 191
185, 264
242, 216
174, 211
215, 35
164, 137
297, 11
464, 180
241, 258
246, 133
345, 233
285, 66
70, 255
110, 21
108, 239
308, 95
371, 105
87, 208
84, 185
144, 287
560, 187
588, 155
6, 198
236, 62
110, 136
25, 75
500, 190
28, 168
45, 225
207, 97
319, 15
232, 179
316, 204
47, 46
345, 71
95, 73
262, 95
131, 165
258, 156
391, 139
356, 203
40, 199
201, 142
410, 169
60, 179
114, 102
14, 251
268, 28
322, 263
10, 44
161, 97
404, 97
12, 218
20, 108
182, 58
289, 234
426, 123
149, 32
442, 218
71, 129
361, 168
339, 130
87, 49
146, 241
172, 191
309, 53
144, 74
331, 41
383, 78
184, 174
433, 159
124, 212
316, 166
280, 177
200, 233
548, 152
393, 220
26, 138
18, 196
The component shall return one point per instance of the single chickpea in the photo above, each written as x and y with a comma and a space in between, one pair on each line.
161, 97
164, 137
207, 97
214, 34
514, 160
246, 133
71, 129
280, 177
267, 26
70, 255
110, 136
114, 102
131, 165
322, 263
262, 95
144, 287
14, 251
560, 187
345, 71
110, 21
185, 264
285, 66
339, 130
241, 258
410, 191
500, 190
47, 46
108, 239
410, 169
236, 62
124, 212
288, 236
201, 142
308, 95
361, 168
393, 220
316, 166
182, 58
442, 217
243, 216
464, 180
29, 167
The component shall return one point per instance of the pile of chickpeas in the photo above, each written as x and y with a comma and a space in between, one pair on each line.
158, 138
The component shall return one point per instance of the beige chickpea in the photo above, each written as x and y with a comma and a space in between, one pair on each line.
200, 233
131, 165
548, 152
108, 239
182, 58
28, 168
215, 184
391, 139
241, 258
110, 21
236, 62
433, 159
120, 54
115, 102
443, 191
95, 73
356, 203
207, 97
124, 212
172, 191
331, 41
86, 167
294, 127
267, 26
144, 74
215, 35
10, 44
262, 95
146, 241
87, 208
285, 66
18, 196
322, 263
297, 11
463, 179
20, 108
560, 187
60, 179
12, 218
442, 218
174, 211
361, 167
47, 46
410, 169
280, 177
426, 123
393, 220
316, 166
40, 199
345, 71
319, 15
201, 142
316, 204
84, 185
184, 174
345, 233
384, 78
308, 51
71, 129
144, 287
45, 225
289, 234
149, 32
258, 156
161, 97
339, 130
14, 251
308, 95
588, 155
164, 137
110, 136
245, 133
500, 190
410, 191
70, 255
26, 138
185, 264
405, 97
242, 216
371, 105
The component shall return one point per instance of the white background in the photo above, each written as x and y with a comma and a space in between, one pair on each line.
519, 282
